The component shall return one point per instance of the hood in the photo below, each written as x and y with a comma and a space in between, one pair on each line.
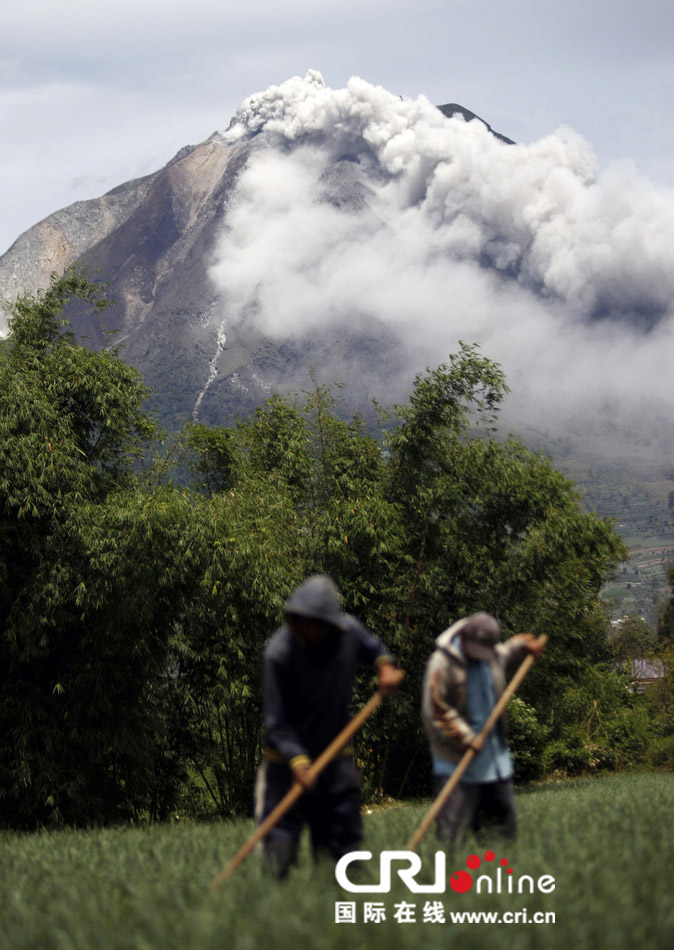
445, 639
319, 599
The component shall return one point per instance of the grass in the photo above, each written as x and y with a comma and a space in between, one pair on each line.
607, 842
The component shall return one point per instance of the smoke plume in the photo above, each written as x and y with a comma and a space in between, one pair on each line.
359, 207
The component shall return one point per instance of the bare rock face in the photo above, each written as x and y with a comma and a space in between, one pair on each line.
151, 241
57, 242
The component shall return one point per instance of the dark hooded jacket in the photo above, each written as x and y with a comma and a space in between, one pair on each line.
307, 687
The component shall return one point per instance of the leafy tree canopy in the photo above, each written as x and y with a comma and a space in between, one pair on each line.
136, 599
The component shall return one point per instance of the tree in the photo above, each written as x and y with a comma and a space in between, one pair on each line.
630, 639
136, 598
665, 629
433, 524
133, 608
490, 525
71, 430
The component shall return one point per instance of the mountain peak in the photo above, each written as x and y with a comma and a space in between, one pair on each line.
453, 108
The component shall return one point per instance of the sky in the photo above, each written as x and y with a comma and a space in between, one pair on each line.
95, 94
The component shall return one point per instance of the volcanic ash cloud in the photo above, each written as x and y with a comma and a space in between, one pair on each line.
359, 206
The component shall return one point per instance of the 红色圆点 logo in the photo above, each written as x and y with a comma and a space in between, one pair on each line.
485, 874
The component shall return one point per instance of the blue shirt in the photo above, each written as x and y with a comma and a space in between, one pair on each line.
493, 761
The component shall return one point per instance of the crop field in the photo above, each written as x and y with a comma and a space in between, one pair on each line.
607, 842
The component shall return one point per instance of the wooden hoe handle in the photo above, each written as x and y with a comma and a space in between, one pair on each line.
296, 790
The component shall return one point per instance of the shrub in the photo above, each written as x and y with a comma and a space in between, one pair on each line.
661, 753
566, 756
526, 738
629, 732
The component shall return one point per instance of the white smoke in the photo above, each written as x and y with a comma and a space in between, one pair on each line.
562, 272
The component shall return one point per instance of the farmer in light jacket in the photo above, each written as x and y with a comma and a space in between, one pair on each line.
464, 679
307, 681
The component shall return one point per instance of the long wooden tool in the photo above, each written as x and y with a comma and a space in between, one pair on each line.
296, 790
470, 754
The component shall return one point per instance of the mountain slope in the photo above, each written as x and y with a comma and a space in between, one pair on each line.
153, 241
366, 234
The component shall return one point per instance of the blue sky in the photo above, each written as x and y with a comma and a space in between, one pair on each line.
93, 94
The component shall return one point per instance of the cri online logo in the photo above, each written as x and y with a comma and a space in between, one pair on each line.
503, 881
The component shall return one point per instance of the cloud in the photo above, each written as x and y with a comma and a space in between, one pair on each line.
360, 206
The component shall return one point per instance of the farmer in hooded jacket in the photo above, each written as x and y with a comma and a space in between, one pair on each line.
464, 679
308, 672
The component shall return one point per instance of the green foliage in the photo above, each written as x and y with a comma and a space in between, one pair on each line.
567, 756
136, 601
665, 631
661, 692
215, 458
438, 525
628, 734
630, 640
527, 740
661, 753
71, 429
